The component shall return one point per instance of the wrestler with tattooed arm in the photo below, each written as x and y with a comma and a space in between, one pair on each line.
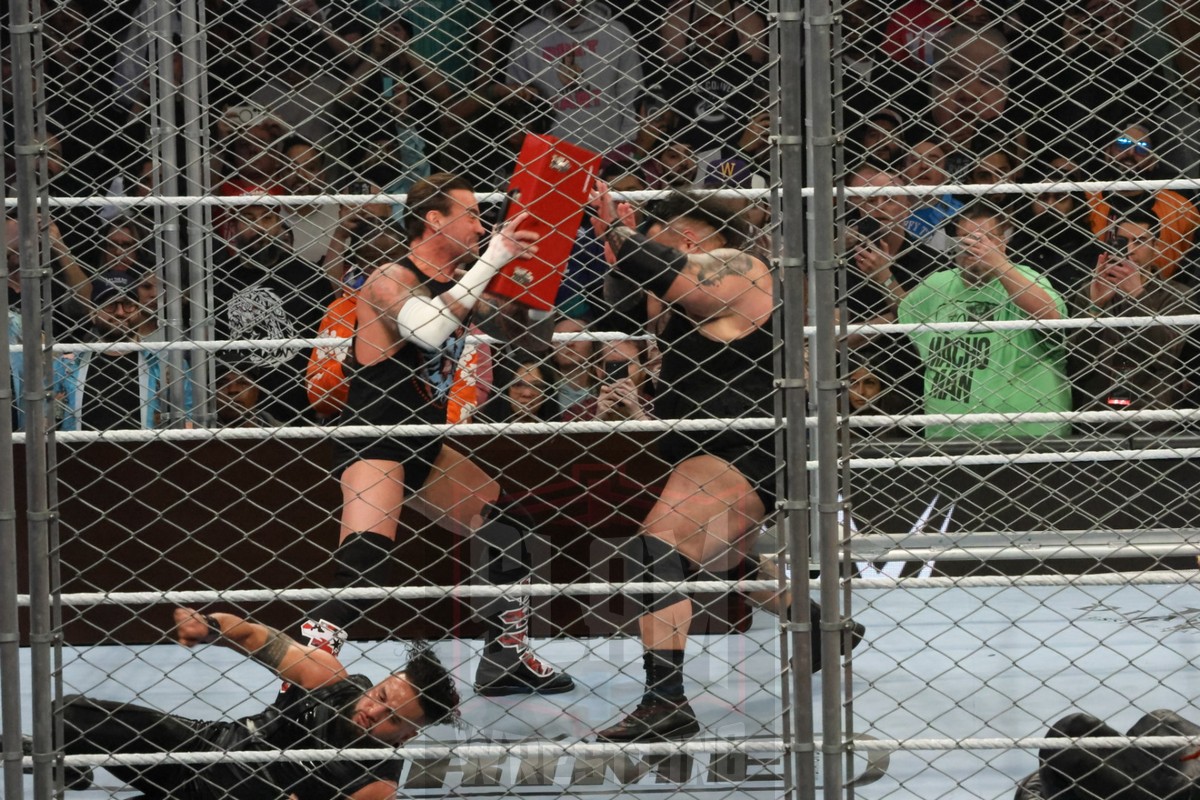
717, 350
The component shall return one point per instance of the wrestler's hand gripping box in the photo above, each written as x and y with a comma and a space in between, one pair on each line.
551, 181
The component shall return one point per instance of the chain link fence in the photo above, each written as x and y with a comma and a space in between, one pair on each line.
268, 398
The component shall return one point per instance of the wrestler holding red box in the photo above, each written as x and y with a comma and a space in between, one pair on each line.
413, 318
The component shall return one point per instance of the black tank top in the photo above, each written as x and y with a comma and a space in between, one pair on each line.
702, 378
410, 386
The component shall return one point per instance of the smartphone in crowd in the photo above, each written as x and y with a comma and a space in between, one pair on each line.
867, 231
614, 370
1118, 246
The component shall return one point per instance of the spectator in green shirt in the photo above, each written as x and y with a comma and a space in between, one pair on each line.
989, 371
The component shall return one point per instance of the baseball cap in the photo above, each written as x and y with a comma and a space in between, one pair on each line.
114, 285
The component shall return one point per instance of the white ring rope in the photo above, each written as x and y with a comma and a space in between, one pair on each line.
922, 420
428, 752
215, 345
1001, 459
448, 429
717, 423
608, 588
549, 749
1157, 578
264, 199
1038, 552
1180, 320
126, 201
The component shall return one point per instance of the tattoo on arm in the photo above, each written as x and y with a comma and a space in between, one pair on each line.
617, 235
271, 654
711, 269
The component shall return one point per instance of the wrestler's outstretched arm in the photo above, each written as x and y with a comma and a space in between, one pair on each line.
706, 285
307, 667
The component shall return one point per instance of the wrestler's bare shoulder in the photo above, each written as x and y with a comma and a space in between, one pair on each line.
388, 284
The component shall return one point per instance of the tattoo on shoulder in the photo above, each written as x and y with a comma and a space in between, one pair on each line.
278, 643
617, 235
712, 268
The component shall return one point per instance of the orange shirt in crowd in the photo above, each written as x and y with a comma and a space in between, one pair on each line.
1180, 220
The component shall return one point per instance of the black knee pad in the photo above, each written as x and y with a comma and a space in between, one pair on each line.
650, 559
362, 560
1079, 724
1162, 722
745, 570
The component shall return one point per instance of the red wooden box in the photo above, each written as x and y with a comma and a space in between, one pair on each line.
551, 181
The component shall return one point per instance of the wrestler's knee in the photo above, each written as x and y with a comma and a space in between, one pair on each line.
70, 704
1163, 722
1079, 724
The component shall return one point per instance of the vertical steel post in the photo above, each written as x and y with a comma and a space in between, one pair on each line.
164, 122
794, 508
837, 62
10, 627
35, 275
823, 281
199, 216
49, 336
782, 395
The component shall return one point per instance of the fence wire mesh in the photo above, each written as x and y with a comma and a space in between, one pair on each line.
274, 398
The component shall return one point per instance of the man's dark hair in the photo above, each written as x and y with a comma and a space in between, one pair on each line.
296, 140
984, 208
711, 211
1138, 215
436, 693
871, 163
431, 194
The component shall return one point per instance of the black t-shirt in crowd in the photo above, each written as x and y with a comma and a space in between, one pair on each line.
111, 393
284, 302
712, 99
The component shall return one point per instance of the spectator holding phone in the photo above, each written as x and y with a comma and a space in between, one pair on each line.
987, 371
1133, 368
880, 243
623, 386
1132, 155
526, 382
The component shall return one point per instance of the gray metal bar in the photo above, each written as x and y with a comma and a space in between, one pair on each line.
35, 273
10, 629
837, 63
199, 217
780, 370
163, 120
49, 336
822, 291
794, 511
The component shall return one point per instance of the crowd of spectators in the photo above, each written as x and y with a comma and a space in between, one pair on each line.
978, 93
314, 97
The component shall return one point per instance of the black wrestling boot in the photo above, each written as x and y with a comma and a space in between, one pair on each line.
655, 719
509, 665
74, 778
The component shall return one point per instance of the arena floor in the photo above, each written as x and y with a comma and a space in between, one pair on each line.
956, 663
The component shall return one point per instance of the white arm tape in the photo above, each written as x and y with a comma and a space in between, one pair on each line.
426, 321
471, 285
